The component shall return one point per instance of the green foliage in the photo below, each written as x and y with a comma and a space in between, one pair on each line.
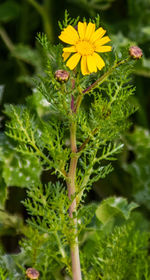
18, 170
139, 168
120, 255
12, 266
49, 205
68, 21
3, 274
10, 224
26, 54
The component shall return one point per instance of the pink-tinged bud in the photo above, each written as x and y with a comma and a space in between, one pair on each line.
62, 76
135, 52
32, 273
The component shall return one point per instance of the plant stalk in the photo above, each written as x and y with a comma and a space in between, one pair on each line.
74, 248
43, 10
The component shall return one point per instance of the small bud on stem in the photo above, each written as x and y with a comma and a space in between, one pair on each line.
135, 52
32, 273
61, 76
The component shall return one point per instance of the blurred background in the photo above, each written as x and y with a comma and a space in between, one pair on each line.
127, 22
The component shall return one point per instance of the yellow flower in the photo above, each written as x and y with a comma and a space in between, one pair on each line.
86, 43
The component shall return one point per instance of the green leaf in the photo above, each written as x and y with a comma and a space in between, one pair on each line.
17, 169
37, 102
114, 206
146, 30
21, 170
27, 54
8, 11
146, 62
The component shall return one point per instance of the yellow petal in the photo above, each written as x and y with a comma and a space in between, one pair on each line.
99, 33
103, 49
66, 55
84, 68
99, 61
70, 49
73, 61
91, 63
82, 29
90, 30
102, 41
69, 35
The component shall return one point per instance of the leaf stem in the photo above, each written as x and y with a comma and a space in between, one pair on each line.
87, 140
62, 251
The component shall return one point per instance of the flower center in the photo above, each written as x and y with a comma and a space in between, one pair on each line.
84, 47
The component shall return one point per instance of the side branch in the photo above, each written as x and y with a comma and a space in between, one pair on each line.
105, 76
87, 140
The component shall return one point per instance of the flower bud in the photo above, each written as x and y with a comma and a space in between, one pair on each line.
32, 273
62, 76
135, 52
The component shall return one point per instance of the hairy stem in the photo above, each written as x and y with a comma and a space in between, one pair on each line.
74, 248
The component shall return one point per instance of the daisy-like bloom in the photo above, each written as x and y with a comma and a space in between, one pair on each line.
85, 43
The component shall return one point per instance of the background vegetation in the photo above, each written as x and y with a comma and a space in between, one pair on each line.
21, 60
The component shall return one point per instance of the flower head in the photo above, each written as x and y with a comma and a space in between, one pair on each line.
85, 43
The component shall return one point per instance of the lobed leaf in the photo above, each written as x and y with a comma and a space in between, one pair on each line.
114, 206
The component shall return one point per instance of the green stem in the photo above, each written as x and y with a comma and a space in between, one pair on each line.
74, 248
79, 100
43, 10
37, 6
47, 20
6, 40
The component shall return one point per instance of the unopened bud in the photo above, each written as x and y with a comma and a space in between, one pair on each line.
32, 273
135, 52
61, 76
